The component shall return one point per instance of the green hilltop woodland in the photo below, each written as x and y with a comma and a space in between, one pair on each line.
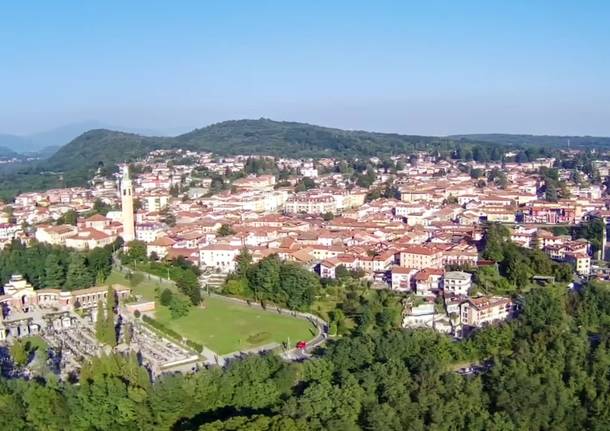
76, 161
239, 137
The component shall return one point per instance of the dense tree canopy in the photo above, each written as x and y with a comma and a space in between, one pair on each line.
271, 279
518, 264
55, 267
545, 372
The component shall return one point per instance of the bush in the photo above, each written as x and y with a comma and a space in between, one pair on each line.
166, 297
179, 306
161, 327
194, 345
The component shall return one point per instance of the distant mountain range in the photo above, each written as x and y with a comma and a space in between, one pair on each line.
45, 143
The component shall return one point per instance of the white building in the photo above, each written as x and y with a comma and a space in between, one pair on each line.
457, 282
154, 202
482, 311
219, 256
148, 232
55, 235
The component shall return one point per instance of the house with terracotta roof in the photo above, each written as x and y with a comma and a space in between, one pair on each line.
328, 267
486, 310
190, 254
89, 238
96, 221
427, 280
160, 246
421, 256
55, 235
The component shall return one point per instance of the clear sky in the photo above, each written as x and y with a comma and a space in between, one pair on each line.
427, 67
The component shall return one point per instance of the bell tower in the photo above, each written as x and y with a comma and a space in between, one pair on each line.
127, 206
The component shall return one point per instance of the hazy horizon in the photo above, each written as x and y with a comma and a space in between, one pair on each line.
175, 131
436, 69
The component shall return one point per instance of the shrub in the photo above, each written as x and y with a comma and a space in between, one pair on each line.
166, 297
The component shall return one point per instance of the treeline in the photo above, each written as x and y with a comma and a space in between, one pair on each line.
46, 266
272, 279
180, 270
593, 231
544, 371
518, 264
554, 188
357, 309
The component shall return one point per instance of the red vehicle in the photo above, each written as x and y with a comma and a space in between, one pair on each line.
302, 345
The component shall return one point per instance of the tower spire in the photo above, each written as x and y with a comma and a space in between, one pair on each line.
127, 206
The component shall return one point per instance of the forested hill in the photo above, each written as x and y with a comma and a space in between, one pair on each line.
77, 159
102, 146
239, 137
265, 136
538, 140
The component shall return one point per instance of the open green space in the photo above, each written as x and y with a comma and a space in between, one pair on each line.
36, 343
223, 325
145, 287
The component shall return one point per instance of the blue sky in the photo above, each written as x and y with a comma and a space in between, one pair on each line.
427, 67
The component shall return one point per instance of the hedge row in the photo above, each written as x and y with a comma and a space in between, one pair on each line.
168, 331
194, 345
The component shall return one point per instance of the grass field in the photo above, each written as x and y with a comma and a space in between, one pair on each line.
224, 326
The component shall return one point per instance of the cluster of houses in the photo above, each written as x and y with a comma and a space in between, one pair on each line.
407, 244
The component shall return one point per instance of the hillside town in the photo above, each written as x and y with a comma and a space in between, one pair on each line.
413, 225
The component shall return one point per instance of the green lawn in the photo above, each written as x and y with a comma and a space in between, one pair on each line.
224, 326
36, 343
145, 288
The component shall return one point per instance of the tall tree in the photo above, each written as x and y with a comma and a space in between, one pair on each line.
99, 260
100, 323
54, 272
111, 304
188, 283
78, 276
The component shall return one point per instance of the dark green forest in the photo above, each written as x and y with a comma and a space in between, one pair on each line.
547, 370
46, 266
538, 140
240, 137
